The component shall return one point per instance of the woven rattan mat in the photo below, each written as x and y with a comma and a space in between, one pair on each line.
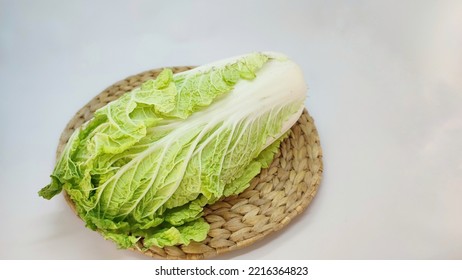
275, 197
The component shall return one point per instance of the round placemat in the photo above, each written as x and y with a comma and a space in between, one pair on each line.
274, 198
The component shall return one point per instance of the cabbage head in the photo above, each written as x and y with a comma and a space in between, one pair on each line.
147, 163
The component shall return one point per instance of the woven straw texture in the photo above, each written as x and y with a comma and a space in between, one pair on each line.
274, 198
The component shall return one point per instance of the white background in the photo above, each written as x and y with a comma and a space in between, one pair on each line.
385, 81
